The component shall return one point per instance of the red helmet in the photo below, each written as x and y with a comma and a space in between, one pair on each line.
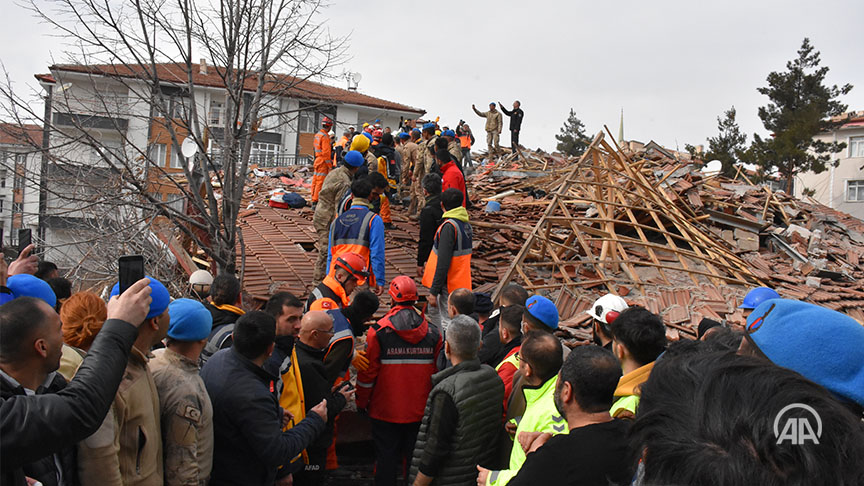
377, 134
403, 289
326, 122
353, 264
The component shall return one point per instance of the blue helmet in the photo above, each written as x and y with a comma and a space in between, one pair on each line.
354, 158
757, 296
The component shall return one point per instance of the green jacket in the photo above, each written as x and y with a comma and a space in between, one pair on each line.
540, 416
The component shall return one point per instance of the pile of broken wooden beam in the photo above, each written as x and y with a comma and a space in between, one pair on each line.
667, 237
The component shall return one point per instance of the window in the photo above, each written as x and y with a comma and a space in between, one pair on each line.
177, 159
1, 204
158, 154
263, 152
217, 112
306, 122
856, 147
3, 178
855, 191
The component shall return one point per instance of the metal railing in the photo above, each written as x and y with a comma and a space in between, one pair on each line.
270, 160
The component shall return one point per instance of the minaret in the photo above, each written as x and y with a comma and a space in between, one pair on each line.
621, 128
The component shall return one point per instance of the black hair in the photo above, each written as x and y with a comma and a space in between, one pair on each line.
537, 324
279, 300
360, 310
452, 198
20, 319
44, 268
724, 339
432, 183
515, 294
429, 130
441, 144
377, 180
254, 332
361, 188
641, 332
387, 139
593, 373
510, 318
62, 288
225, 289
462, 300
716, 419
543, 352
706, 324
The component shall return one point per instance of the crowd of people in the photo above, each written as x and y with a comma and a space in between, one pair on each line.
150, 388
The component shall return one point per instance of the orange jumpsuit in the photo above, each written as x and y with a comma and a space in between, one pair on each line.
322, 165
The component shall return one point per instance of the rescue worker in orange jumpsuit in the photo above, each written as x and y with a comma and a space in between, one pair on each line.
323, 147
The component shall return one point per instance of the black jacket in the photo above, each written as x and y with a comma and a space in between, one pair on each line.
430, 219
221, 317
35, 427
316, 387
515, 117
491, 342
249, 443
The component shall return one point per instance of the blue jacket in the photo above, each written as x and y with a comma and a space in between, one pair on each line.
376, 243
247, 423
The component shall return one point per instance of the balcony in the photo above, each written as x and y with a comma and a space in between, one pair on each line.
105, 114
269, 160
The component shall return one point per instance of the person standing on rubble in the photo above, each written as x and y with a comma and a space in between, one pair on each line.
335, 184
323, 147
424, 163
466, 140
449, 264
494, 124
515, 123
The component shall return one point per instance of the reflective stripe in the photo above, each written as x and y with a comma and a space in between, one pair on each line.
346, 333
408, 361
319, 174
317, 293
493, 476
362, 238
365, 385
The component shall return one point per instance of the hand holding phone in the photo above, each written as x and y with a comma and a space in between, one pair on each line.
25, 238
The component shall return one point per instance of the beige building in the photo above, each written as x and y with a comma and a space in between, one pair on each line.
840, 187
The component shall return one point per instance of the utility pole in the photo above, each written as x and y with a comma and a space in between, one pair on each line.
43, 170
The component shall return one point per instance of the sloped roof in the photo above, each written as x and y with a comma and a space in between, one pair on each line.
18, 134
283, 83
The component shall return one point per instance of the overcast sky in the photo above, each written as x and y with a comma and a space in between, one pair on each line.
672, 66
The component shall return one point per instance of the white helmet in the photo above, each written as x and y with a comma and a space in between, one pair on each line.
605, 305
200, 277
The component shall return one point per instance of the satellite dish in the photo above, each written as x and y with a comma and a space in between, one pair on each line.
189, 148
357, 77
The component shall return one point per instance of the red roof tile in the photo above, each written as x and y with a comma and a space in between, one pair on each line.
293, 86
15, 134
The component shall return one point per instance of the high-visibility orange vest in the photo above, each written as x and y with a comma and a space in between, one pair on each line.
350, 233
459, 275
465, 141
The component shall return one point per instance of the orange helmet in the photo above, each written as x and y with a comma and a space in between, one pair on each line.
326, 122
353, 264
324, 304
403, 289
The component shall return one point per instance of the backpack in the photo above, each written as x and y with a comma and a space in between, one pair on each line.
221, 339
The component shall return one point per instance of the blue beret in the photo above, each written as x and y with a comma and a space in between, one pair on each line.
158, 293
428, 126
491, 104
449, 133
415, 130
190, 320
25, 285
825, 346
354, 158
404, 135
543, 310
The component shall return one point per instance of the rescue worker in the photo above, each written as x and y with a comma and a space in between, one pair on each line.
186, 411
638, 339
415, 148
540, 361
510, 336
378, 199
401, 349
494, 124
360, 143
337, 182
348, 269
515, 123
466, 140
322, 145
360, 231
451, 176
453, 146
449, 264
407, 165
605, 310
389, 163
340, 148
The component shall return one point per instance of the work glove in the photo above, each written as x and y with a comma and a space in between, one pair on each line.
360, 361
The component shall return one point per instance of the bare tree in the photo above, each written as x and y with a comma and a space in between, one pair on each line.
129, 71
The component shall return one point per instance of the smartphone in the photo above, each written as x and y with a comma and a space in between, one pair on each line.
346, 386
131, 270
25, 237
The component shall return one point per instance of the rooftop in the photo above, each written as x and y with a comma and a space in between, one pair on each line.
212, 76
20, 134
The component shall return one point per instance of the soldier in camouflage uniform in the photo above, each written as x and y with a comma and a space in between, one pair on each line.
185, 408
